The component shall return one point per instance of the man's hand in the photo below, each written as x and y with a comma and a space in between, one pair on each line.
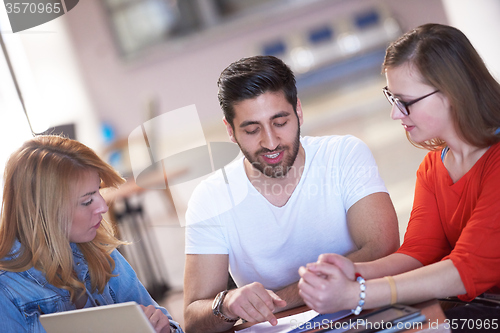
252, 303
325, 288
344, 264
157, 318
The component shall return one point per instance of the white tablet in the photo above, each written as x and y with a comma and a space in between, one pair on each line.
116, 318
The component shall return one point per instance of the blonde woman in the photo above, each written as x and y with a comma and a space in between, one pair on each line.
57, 252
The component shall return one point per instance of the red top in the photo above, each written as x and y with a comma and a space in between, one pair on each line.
458, 221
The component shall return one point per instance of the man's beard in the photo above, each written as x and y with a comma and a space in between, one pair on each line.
278, 170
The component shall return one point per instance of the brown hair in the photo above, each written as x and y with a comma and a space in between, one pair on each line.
447, 61
251, 77
38, 201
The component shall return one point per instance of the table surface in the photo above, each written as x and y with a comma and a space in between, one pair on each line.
434, 322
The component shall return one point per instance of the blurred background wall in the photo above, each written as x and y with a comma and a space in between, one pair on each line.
183, 70
108, 66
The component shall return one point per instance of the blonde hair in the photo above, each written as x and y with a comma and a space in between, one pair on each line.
38, 203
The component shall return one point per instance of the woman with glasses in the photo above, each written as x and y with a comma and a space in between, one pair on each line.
57, 253
447, 101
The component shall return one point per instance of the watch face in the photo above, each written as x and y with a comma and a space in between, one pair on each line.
216, 307
217, 302
214, 303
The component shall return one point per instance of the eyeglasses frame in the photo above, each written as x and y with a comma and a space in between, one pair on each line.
404, 109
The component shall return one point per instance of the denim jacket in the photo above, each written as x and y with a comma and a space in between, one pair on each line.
24, 296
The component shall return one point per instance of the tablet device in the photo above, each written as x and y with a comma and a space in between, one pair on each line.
115, 318
392, 318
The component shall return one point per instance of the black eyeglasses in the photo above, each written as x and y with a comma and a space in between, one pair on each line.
403, 106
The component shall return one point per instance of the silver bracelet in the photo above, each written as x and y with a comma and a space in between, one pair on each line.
362, 295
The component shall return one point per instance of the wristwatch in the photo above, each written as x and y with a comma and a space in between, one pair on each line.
217, 307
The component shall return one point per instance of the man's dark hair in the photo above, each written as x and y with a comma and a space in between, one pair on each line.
251, 77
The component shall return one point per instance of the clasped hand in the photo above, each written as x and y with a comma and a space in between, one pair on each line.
253, 303
325, 285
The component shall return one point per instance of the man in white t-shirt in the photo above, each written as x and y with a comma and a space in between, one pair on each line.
287, 201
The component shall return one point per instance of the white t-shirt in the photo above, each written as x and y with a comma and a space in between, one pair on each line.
268, 244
